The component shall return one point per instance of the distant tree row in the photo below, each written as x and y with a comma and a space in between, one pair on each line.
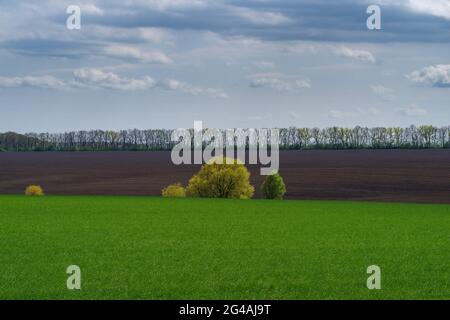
413, 137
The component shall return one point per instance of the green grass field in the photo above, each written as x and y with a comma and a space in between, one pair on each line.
155, 248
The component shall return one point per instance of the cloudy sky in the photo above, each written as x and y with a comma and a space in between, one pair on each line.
256, 63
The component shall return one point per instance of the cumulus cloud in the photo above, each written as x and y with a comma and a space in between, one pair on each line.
175, 85
412, 111
357, 54
44, 82
92, 9
94, 78
133, 53
436, 76
155, 35
385, 93
97, 78
278, 82
259, 17
439, 8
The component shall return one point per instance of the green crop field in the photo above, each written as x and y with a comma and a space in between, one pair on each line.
155, 248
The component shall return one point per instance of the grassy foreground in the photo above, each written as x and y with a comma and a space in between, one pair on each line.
154, 248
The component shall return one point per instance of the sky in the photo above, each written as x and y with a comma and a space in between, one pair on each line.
229, 63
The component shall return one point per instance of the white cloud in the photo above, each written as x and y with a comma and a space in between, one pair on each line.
94, 78
128, 52
357, 54
437, 76
155, 35
97, 78
175, 85
259, 17
383, 92
110, 35
412, 111
438, 8
45, 82
91, 8
278, 81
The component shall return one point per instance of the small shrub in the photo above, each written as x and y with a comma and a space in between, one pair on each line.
34, 190
174, 191
273, 187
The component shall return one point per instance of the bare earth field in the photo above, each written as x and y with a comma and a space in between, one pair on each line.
382, 175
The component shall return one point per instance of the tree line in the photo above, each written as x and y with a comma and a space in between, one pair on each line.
413, 137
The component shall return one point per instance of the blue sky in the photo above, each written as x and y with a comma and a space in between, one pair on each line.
258, 63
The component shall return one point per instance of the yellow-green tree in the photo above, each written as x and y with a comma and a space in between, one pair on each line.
174, 191
34, 190
227, 178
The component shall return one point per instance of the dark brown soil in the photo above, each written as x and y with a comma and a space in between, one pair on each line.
382, 175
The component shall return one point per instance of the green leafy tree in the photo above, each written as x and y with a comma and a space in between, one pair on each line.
226, 178
273, 187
